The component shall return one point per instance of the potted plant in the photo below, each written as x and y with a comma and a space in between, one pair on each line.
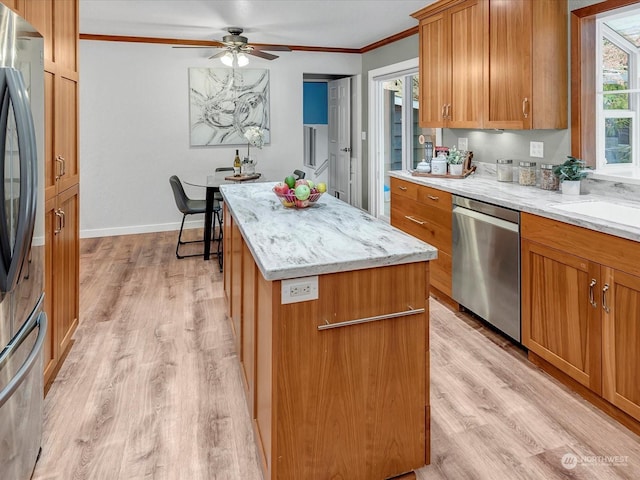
456, 161
570, 173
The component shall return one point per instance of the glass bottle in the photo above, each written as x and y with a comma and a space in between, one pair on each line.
236, 164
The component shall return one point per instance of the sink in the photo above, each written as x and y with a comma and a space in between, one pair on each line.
604, 210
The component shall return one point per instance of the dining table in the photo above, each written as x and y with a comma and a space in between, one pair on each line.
212, 184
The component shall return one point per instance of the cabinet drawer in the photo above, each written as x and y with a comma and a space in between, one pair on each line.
404, 188
417, 224
432, 197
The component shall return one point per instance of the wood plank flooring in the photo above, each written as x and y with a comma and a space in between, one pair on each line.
152, 388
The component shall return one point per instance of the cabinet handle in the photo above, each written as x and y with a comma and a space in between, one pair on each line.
591, 299
404, 189
525, 107
59, 221
604, 298
448, 111
60, 165
443, 112
63, 218
411, 311
415, 220
433, 197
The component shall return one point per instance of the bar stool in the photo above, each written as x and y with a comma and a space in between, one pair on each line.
187, 206
217, 216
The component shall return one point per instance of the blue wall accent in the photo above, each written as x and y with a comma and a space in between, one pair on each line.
315, 103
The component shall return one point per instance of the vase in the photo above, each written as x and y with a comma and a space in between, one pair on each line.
455, 169
570, 187
249, 165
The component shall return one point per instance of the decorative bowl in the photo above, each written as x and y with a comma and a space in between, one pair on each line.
289, 200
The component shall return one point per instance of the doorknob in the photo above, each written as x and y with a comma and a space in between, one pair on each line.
345, 149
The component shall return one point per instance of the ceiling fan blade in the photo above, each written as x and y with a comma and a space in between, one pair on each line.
258, 53
218, 55
273, 48
196, 46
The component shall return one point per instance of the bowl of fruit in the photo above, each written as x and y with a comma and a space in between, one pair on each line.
299, 193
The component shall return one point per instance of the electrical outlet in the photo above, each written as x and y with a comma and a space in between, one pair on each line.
463, 144
536, 149
299, 289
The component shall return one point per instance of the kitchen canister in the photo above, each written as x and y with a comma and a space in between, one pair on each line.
548, 180
504, 170
439, 165
527, 173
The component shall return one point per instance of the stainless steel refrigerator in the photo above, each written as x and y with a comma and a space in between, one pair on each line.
23, 324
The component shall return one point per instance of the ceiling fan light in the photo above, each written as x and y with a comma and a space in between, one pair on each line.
227, 59
242, 60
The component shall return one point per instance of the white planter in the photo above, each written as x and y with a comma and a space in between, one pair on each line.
570, 187
455, 169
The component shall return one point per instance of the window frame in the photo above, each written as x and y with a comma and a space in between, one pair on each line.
583, 77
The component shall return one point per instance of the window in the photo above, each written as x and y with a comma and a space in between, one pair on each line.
617, 55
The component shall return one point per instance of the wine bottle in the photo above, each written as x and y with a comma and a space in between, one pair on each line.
236, 164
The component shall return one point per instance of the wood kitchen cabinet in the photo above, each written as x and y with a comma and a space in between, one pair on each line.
493, 64
57, 21
61, 275
453, 44
527, 65
426, 213
581, 307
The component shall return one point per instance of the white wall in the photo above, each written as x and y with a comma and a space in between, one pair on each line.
134, 129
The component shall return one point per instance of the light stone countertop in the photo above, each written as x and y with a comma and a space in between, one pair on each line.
540, 202
328, 237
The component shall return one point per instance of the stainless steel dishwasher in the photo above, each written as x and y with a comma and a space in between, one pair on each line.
486, 262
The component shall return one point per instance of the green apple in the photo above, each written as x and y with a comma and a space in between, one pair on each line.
302, 192
290, 181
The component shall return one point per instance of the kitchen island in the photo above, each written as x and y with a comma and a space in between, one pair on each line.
329, 310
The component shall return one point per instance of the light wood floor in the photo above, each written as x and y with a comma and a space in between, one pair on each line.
152, 388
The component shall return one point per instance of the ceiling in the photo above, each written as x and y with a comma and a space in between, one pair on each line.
348, 24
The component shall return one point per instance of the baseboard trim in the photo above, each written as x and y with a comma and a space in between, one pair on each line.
135, 229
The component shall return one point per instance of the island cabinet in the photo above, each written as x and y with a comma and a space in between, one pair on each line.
493, 64
337, 386
581, 310
426, 213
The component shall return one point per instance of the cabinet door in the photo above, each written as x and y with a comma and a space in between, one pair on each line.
236, 284
65, 34
620, 340
227, 220
509, 75
50, 353
560, 311
435, 70
65, 134
66, 248
468, 51
39, 13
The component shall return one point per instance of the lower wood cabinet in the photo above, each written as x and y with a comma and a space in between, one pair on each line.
349, 401
426, 213
62, 275
581, 307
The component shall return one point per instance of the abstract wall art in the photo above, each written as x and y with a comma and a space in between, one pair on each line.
224, 102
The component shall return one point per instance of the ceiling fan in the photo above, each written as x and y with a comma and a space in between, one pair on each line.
236, 47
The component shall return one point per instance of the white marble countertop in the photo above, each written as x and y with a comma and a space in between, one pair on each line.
330, 236
540, 202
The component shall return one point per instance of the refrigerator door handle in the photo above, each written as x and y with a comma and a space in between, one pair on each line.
12, 89
39, 321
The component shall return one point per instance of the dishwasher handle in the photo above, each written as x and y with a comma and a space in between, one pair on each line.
482, 217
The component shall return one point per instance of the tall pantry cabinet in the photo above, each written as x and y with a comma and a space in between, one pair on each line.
57, 21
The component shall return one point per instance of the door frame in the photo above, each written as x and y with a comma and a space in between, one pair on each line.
376, 104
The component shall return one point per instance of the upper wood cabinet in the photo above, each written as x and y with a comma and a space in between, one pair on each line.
527, 65
452, 49
493, 64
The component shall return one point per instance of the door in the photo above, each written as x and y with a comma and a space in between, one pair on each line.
339, 93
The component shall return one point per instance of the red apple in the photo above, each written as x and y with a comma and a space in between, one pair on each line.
301, 181
281, 189
302, 203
